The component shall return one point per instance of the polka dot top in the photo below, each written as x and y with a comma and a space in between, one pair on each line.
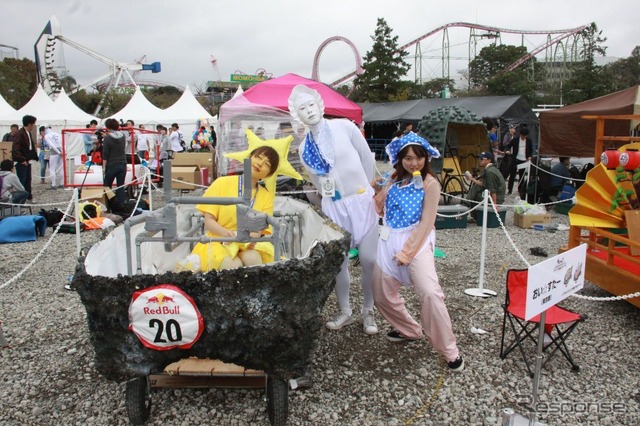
403, 206
312, 157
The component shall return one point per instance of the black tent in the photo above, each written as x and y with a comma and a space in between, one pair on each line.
504, 110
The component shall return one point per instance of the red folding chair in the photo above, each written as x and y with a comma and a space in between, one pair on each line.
559, 323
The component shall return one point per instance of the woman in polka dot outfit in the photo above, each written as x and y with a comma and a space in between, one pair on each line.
408, 204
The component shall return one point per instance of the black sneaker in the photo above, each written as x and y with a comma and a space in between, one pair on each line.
396, 337
457, 365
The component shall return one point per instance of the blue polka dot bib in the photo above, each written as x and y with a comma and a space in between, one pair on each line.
403, 206
313, 158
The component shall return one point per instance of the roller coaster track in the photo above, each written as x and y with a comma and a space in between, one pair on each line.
316, 59
559, 35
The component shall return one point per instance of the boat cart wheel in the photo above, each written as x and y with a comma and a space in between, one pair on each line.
277, 401
138, 400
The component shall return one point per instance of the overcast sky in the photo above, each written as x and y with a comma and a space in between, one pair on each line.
282, 36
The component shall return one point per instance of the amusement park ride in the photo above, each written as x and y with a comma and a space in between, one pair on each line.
560, 46
117, 75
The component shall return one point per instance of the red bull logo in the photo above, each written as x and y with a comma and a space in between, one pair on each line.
161, 300
162, 310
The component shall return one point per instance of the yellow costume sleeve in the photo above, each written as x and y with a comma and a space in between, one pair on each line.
264, 203
226, 186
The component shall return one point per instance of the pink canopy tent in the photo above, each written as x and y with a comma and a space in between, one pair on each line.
275, 93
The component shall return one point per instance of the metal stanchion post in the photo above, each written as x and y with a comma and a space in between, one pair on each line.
76, 206
480, 291
149, 189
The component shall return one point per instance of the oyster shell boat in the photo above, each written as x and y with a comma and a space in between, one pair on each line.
264, 317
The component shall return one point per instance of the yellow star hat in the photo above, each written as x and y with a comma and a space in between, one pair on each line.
281, 146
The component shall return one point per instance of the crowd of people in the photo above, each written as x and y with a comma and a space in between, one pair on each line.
391, 221
107, 146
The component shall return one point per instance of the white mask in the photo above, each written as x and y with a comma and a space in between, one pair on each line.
309, 113
308, 102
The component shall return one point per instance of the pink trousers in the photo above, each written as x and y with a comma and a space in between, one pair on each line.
436, 323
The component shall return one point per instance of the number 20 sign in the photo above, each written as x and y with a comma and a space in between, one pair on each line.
165, 317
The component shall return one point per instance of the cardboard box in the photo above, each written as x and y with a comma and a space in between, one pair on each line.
200, 159
183, 177
101, 194
528, 220
5, 151
444, 222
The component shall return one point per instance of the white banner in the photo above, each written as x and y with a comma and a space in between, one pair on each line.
553, 280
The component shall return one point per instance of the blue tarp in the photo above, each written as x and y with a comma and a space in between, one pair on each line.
18, 229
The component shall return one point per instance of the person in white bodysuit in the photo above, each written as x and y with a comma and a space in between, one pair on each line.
340, 165
54, 141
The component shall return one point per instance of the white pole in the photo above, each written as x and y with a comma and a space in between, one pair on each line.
149, 189
536, 374
76, 205
483, 245
479, 291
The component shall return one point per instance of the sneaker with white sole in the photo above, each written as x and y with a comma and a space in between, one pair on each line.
396, 337
339, 321
457, 365
369, 323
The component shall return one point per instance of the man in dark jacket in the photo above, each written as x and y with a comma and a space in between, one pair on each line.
522, 150
114, 160
23, 151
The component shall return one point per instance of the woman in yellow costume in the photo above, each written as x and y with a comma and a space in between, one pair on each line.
220, 221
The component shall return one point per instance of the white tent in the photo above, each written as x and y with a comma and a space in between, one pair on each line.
69, 109
238, 92
141, 111
40, 106
77, 118
5, 108
62, 113
57, 115
187, 112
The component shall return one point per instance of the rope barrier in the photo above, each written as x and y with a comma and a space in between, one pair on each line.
37, 256
457, 215
560, 176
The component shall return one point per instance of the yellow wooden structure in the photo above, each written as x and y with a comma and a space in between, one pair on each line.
610, 263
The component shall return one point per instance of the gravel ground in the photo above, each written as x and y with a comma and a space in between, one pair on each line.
48, 375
